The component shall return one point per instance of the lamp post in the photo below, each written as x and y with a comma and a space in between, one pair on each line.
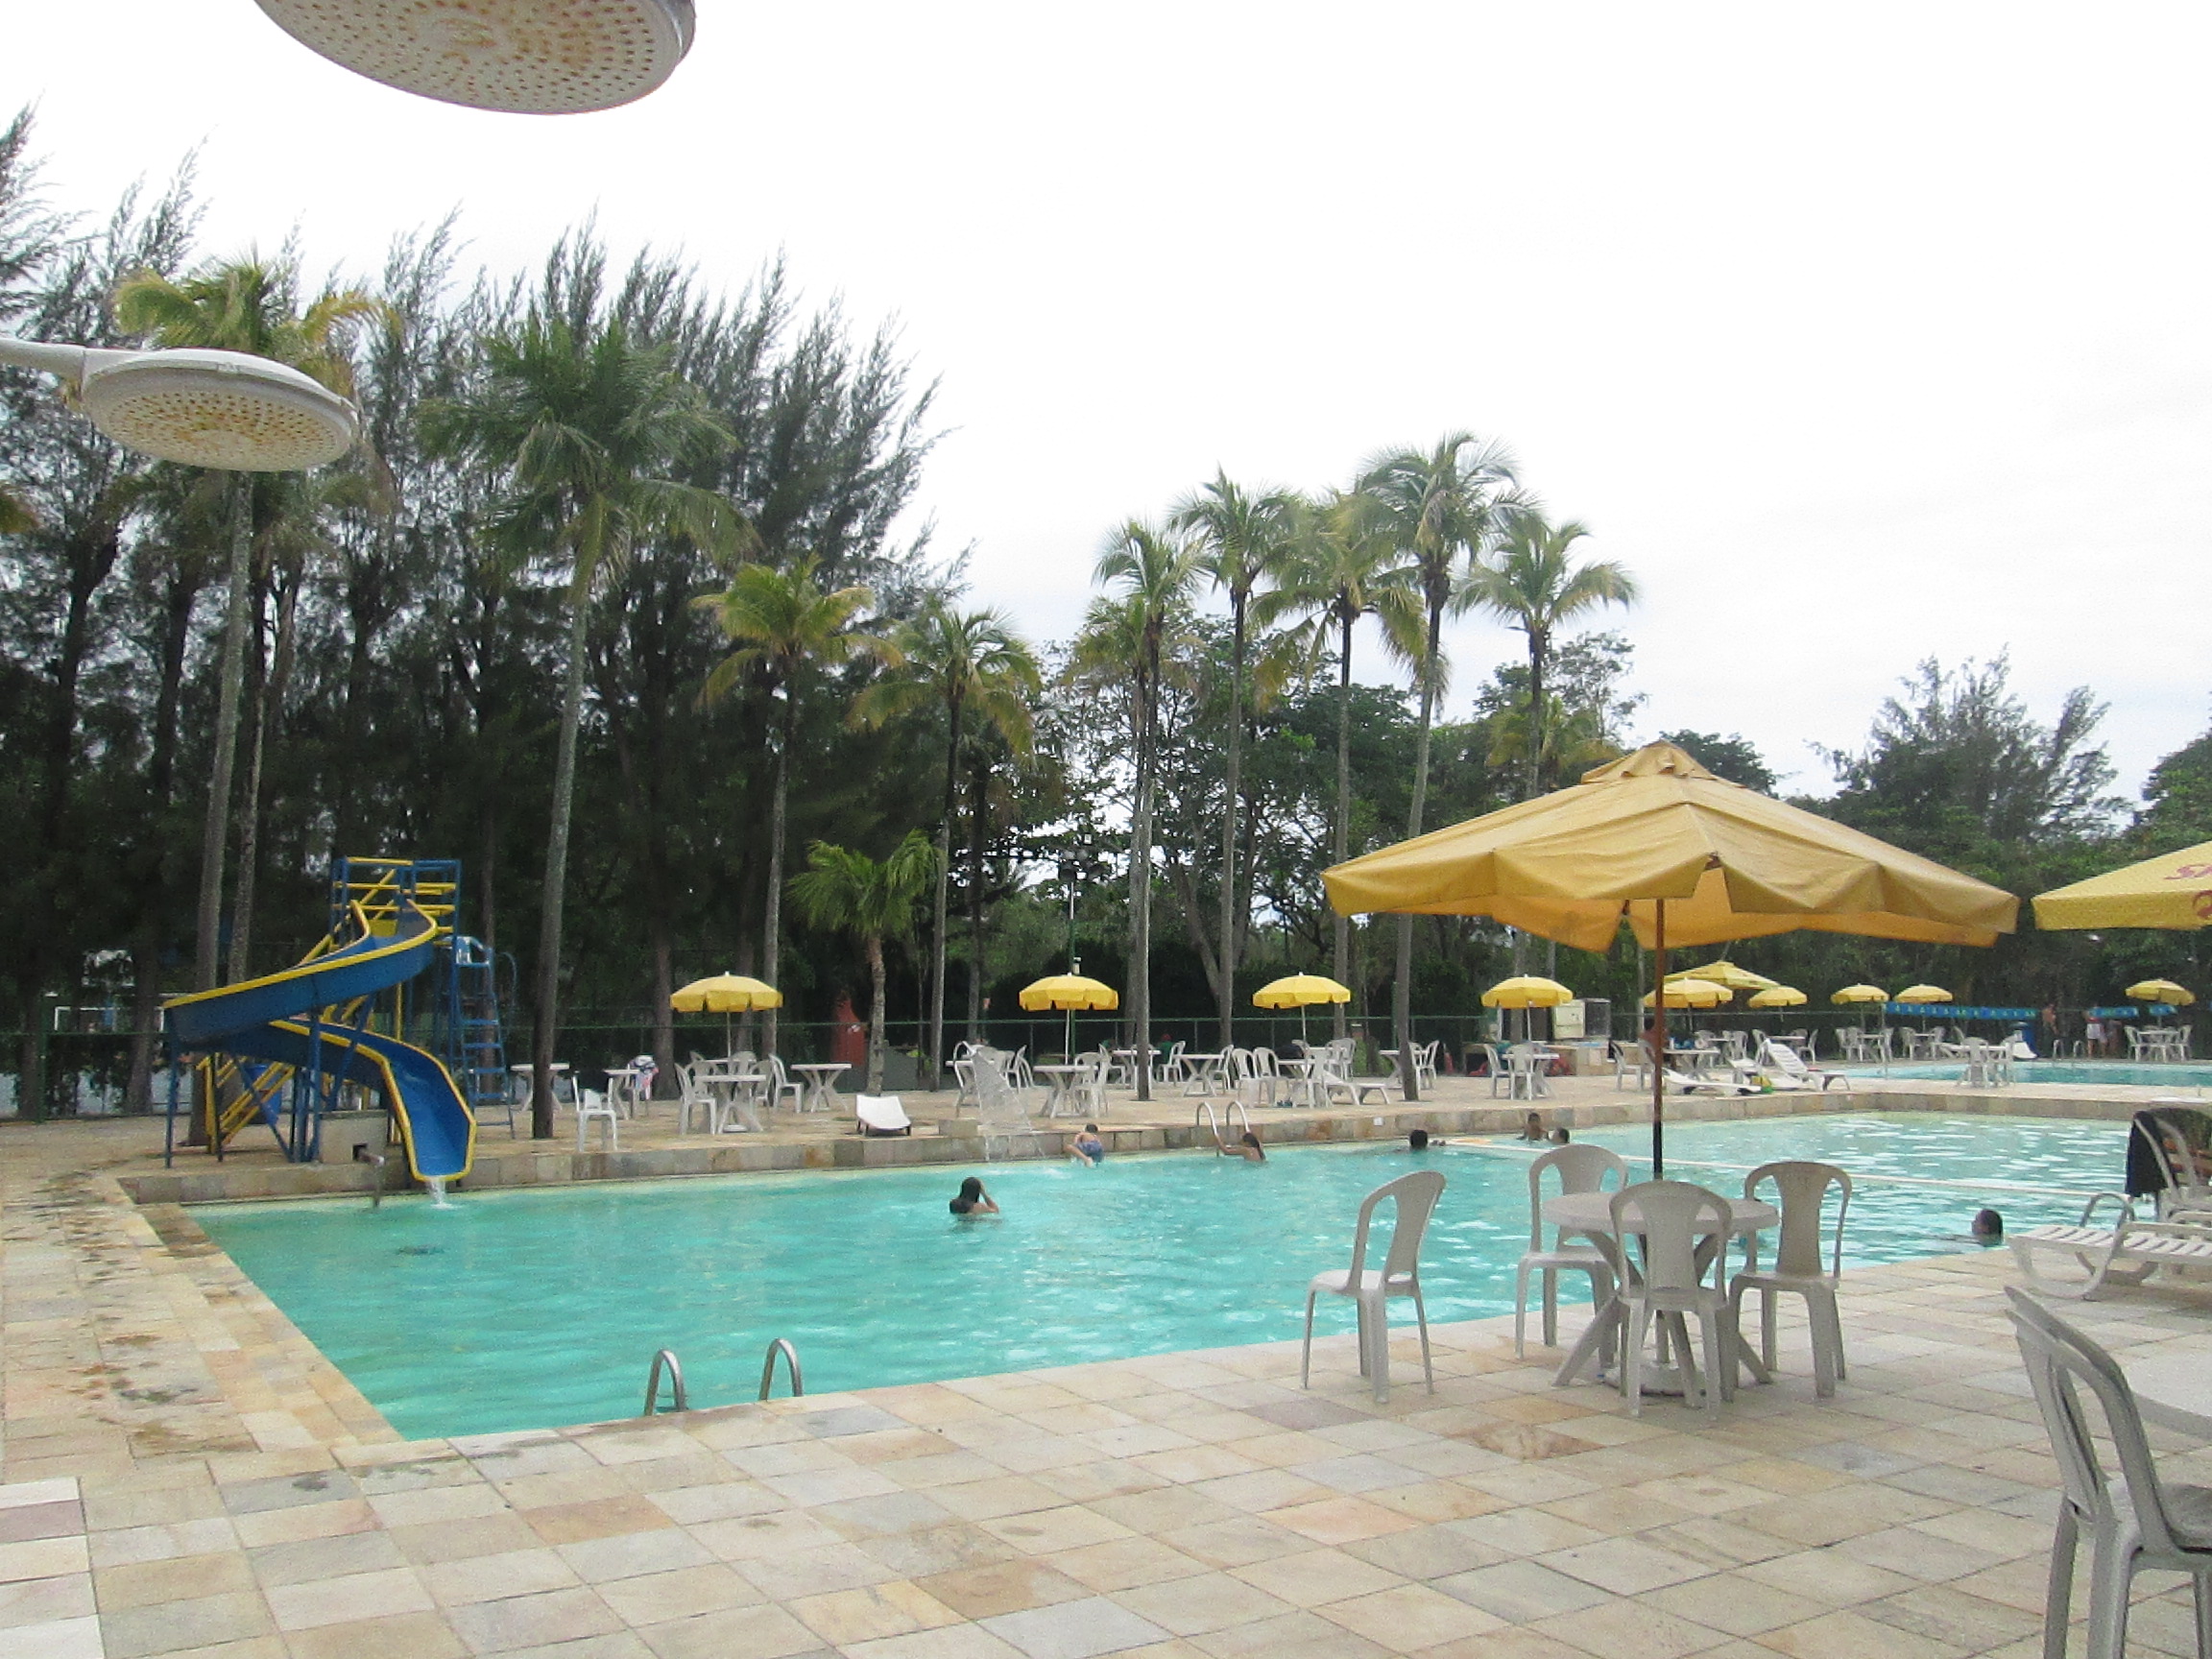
521, 57
225, 410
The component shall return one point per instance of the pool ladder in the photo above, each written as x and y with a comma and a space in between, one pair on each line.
1205, 1115
666, 1361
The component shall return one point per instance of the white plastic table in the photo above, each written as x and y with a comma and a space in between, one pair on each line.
820, 1097
1205, 1073
2174, 1390
1590, 1215
528, 1074
1059, 1099
734, 1087
1527, 1074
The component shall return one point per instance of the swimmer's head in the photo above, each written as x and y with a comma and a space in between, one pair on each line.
1988, 1224
1418, 1140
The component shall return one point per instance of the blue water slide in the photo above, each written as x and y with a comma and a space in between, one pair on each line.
259, 1018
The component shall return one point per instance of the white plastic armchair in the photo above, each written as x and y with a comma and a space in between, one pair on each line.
591, 1106
1671, 1279
1800, 1267
1414, 1197
1580, 1167
779, 1085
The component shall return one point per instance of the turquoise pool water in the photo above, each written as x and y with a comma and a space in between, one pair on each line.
538, 1308
2173, 1075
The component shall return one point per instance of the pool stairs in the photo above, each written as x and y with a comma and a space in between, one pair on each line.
666, 1361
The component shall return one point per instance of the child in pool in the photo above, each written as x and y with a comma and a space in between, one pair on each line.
974, 1200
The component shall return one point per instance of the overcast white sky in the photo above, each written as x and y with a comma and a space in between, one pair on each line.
1859, 333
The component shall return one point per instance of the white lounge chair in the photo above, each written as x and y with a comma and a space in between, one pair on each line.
2134, 1517
1415, 1198
1581, 1168
2126, 1253
1664, 1281
1786, 1068
1798, 1270
881, 1115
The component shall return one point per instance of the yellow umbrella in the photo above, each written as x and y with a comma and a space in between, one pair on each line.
1726, 973
2173, 890
1528, 991
1924, 994
1301, 991
1656, 839
1691, 993
1861, 993
1779, 996
724, 994
2162, 990
1069, 992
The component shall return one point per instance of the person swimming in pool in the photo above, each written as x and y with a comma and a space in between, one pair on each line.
1559, 1137
1245, 1147
1087, 1149
974, 1200
1533, 1128
1420, 1140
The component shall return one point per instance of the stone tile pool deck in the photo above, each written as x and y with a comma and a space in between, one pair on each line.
181, 1472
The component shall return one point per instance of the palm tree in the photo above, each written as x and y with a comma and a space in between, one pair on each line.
784, 625
1534, 586
959, 659
1342, 564
244, 306
1151, 574
587, 426
1241, 538
852, 892
1443, 508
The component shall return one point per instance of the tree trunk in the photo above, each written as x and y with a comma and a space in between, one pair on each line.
1537, 650
153, 902
663, 987
1402, 982
1341, 959
1226, 985
938, 954
1141, 881
249, 802
548, 1011
207, 963
978, 832
876, 994
772, 929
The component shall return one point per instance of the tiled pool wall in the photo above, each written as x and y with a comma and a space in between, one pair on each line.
539, 1164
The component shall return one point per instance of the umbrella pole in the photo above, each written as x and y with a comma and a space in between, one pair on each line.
1659, 1044
1068, 1037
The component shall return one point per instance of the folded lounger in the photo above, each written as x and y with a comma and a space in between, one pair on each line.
881, 1115
2126, 1253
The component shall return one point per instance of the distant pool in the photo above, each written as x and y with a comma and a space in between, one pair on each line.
541, 1306
2166, 1076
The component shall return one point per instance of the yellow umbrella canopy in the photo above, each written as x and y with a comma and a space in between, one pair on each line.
1779, 996
2173, 890
1527, 991
1068, 991
1656, 828
1924, 994
2162, 990
1726, 973
1300, 991
724, 994
1691, 993
1861, 993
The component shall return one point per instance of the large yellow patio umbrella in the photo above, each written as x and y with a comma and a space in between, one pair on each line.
1925, 993
1658, 840
1726, 973
1686, 993
1859, 994
1779, 996
1527, 991
1069, 992
2172, 890
1301, 991
2162, 990
724, 994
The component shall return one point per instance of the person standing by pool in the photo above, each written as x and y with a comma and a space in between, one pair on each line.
1087, 1149
974, 1200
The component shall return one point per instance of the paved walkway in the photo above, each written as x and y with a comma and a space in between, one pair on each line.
181, 1473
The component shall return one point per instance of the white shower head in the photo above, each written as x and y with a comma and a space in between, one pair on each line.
528, 57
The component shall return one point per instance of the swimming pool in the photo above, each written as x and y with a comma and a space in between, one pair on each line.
2171, 1076
536, 1307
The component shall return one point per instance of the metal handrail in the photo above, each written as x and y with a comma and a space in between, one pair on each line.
791, 1362
666, 1357
1237, 1115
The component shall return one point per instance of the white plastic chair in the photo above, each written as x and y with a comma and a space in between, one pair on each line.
693, 1099
1799, 1269
1627, 1057
2135, 1520
1501, 1075
590, 1105
1171, 1067
1425, 1064
1669, 1283
1415, 1197
881, 1114
780, 1084
1582, 1168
